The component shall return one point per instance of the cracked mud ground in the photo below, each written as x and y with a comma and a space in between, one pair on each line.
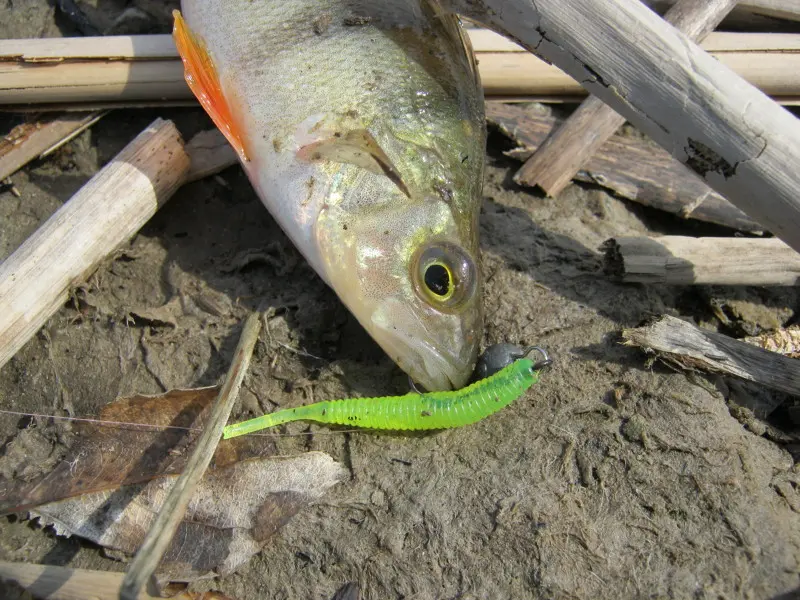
613, 478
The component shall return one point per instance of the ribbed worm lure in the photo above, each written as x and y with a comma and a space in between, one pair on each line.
432, 410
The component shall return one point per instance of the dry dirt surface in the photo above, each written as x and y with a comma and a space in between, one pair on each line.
613, 478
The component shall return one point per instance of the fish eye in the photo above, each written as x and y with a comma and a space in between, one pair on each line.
438, 280
444, 275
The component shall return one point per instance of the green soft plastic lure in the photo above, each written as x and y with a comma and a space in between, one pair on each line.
433, 410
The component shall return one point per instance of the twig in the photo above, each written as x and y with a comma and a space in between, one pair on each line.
689, 347
678, 260
166, 523
107, 211
559, 158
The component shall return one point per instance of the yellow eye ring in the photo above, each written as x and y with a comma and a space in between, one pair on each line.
444, 275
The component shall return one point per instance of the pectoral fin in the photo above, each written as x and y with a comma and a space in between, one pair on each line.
201, 75
356, 147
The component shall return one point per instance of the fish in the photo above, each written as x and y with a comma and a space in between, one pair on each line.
361, 127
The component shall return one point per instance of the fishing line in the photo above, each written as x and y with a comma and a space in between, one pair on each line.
154, 428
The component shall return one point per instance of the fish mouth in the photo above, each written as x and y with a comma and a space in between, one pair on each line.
437, 362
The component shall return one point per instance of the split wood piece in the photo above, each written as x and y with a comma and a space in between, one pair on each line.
141, 569
37, 139
559, 158
742, 143
679, 260
106, 212
63, 583
125, 70
688, 347
631, 167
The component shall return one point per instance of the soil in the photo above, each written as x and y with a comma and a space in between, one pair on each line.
613, 478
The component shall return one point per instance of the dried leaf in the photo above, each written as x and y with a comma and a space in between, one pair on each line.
234, 510
104, 457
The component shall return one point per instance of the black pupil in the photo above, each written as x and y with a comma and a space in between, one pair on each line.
437, 279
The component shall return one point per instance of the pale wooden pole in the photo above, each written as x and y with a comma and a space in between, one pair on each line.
36, 279
556, 162
740, 142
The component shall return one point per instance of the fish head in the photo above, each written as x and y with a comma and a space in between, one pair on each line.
408, 270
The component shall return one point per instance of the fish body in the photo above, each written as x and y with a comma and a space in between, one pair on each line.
360, 125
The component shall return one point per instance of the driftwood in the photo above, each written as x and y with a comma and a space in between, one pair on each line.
742, 143
688, 347
35, 280
631, 167
37, 139
143, 70
679, 260
143, 565
555, 163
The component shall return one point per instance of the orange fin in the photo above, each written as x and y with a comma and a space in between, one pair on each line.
358, 148
201, 75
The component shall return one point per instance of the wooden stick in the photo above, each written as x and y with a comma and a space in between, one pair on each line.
63, 583
37, 139
739, 141
157, 541
689, 347
556, 162
124, 70
106, 212
678, 260
631, 167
